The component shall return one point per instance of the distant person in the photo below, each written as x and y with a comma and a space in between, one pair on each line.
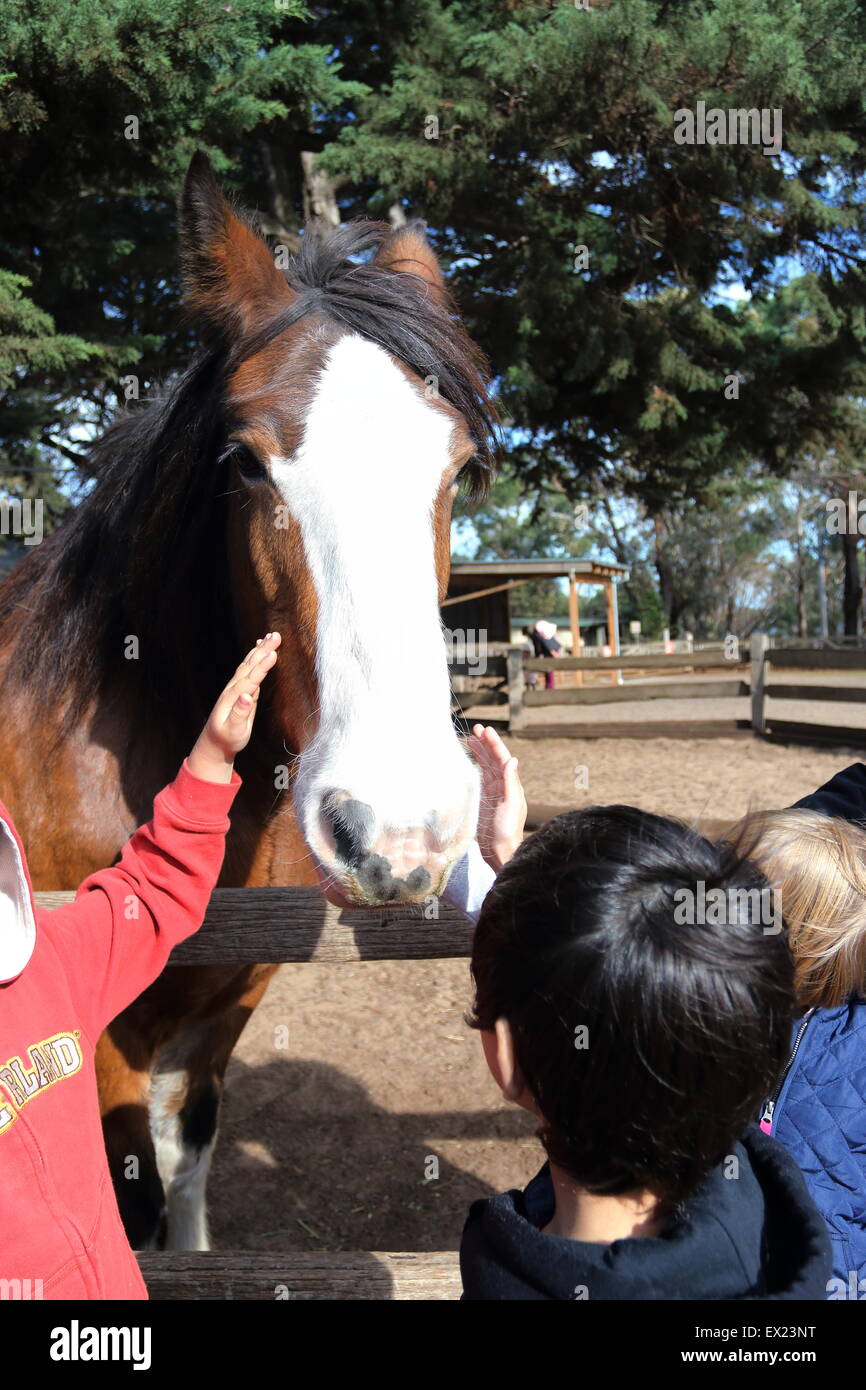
547, 645
529, 650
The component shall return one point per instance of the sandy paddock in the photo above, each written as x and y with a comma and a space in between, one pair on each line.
330, 1144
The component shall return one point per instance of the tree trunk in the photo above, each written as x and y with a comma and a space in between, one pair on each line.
632, 585
320, 194
618, 546
852, 593
802, 621
664, 569
281, 219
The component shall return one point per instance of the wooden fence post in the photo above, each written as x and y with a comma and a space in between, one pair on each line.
758, 644
516, 713
574, 619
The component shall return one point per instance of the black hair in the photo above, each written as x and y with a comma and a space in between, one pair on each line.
648, 1044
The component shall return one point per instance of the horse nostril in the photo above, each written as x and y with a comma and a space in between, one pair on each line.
377, 879
352, 824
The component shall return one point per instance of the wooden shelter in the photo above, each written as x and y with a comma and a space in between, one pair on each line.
479, 594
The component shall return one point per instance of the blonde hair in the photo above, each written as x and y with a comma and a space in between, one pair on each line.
817, 863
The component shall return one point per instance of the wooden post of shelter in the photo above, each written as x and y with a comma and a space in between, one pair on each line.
574, 618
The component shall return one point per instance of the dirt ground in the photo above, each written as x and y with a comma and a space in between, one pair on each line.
378, 1125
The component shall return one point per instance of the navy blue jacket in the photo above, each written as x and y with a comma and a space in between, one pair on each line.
820, 1115
753, 1236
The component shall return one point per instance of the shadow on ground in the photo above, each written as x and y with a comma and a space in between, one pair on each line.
359, 1177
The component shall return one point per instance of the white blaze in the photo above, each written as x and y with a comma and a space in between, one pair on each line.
362, 488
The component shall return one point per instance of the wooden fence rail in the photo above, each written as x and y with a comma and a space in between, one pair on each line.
812, 660
678, 661
303, 1277
808, 659
651, 690
274, 926
750, 677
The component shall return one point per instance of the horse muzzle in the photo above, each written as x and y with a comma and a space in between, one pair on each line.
365, 865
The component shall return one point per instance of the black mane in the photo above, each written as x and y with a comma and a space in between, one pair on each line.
144, 554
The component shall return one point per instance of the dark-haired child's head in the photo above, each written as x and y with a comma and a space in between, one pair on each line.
646, 1034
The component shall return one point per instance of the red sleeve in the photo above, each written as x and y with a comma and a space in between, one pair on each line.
115, 938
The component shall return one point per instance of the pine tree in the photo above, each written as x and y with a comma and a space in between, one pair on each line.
592, 251
102, 104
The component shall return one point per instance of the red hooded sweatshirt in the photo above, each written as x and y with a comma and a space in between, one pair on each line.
64, 975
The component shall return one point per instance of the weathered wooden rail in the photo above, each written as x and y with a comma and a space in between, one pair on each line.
276, 926
329, 1275
807, 659
747, 674
511, 691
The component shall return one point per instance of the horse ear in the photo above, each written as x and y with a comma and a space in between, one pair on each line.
230, 278
408, 250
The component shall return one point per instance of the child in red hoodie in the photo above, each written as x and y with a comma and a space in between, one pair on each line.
61, 1235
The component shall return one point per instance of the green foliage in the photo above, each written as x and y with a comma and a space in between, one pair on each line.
592, 255
32, 357
555, 133
29, 342
513, 525
102, 104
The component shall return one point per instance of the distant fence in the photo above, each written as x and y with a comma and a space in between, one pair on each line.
745, 674
510, 690
807, 659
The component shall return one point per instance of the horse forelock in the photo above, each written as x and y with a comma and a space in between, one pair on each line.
392, 308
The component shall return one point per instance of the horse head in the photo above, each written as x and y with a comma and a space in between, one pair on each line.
355, 403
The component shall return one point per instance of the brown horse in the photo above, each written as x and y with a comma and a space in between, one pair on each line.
299, 476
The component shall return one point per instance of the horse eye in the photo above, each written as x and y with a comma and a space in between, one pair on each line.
248, 464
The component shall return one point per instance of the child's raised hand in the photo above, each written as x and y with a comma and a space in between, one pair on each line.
502, 817
230, 725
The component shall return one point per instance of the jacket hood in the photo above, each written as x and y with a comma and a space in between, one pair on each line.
751, 1232
17, 916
